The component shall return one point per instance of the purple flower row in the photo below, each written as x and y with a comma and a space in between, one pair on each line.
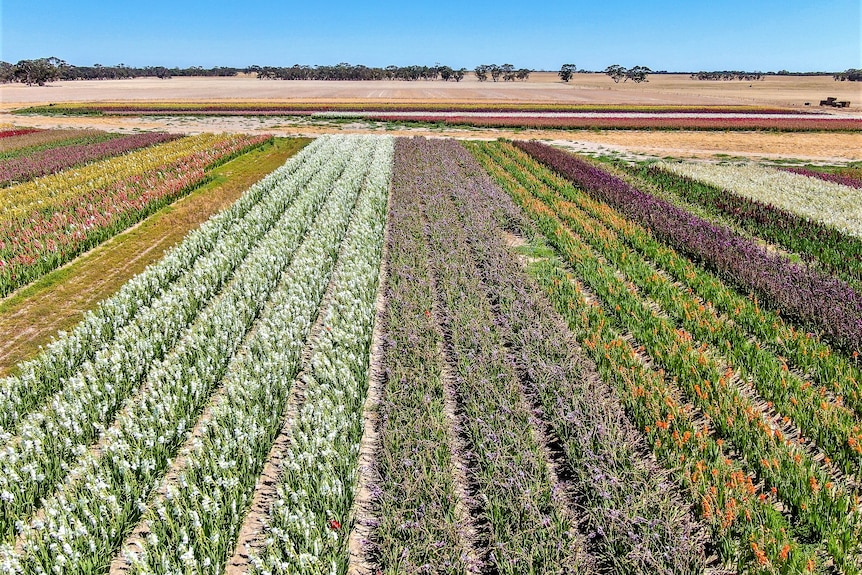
839, 178
416, 528
54, 160
519, 522
635, 520
818, 301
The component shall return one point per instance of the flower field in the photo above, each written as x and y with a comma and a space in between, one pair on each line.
38, 140
636, 121
50, 220
847, 177
410, 355
827, 202
53, 160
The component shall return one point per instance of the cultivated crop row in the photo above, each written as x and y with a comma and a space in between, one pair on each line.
41, 377
816, 299
270, 108
106, 486
53, 160
834, 427
308, 524
695, 346
832, 372
81, 208
16, 132
851, 177
634, 122
826, 202
514, 384
83, 378
34, 142
597, 450
836, 252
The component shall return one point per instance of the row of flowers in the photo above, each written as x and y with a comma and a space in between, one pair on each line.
45, 238
836, 252
309, 522
19, 201
16, 132
85, 403
39, 378
826, 202
729, 499
530, 525
53, 160
832, 371
417, 507
634, 516
804, 294
107, 488
851, 177
834, 427
44, 139
269, 108
790, 124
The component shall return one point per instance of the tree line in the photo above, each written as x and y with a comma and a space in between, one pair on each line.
345, 71
42, 70
727, 75
852, 74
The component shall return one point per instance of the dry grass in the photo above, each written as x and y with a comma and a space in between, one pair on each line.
785, 91
32, 315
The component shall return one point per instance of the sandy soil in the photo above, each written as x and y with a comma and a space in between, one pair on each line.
784, 91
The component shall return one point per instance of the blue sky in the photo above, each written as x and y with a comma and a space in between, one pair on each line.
765, 35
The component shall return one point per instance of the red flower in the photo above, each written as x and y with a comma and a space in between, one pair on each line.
334, 524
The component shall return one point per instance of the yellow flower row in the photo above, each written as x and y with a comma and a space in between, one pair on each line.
17, 201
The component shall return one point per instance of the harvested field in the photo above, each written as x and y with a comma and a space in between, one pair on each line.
670, 89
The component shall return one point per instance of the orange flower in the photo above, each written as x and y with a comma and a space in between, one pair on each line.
785, 552
759, 554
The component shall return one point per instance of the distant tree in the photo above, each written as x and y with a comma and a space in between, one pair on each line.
445, 73
616, 72
852, 74
7, 72
567, 71
638, 74
496, 71
508, 72
39, 71
458, 74
523, 74
481, 72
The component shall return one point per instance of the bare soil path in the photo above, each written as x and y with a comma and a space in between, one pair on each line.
33, 314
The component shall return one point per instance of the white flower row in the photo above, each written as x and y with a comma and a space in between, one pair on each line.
308, 525
194, 525
83, 524
827, 202
32, 463
41, 377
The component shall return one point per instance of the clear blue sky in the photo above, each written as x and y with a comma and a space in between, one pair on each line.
766, 35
